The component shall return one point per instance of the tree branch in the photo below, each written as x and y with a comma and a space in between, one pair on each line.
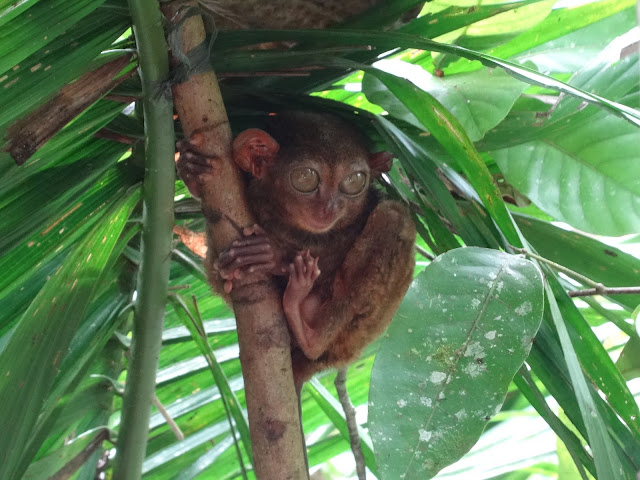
352, 425
597, 288
588, 292
262, 332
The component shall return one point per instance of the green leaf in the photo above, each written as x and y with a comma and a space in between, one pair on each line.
38, 345
586, 177
205, 460
571, 442
45, 467
629, 361
548, 363
332, 408
497, 29
568, 53
561, 22
191, 319
421, 168
461, 334
607, 75
607, 461
42, 74
390, 41
583, 166
38, 26
479, 100
451, 135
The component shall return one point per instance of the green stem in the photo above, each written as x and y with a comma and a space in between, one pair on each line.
156, 241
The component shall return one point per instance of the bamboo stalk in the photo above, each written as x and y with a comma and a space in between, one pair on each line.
157, 238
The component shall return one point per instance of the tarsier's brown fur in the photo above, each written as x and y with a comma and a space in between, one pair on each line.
343, 261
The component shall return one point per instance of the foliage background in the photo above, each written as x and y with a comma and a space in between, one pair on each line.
557, 123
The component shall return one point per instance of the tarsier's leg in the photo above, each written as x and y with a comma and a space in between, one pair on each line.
367, 290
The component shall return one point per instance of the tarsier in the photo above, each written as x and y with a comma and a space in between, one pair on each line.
342, 255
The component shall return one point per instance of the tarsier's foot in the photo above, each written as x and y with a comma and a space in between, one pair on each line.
194, 166
253, 253
303, 273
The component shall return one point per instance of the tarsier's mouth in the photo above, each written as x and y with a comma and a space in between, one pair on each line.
317, 225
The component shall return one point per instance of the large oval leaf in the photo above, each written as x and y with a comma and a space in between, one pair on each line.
588, 176
462, 332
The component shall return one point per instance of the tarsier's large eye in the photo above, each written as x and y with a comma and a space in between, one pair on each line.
304, 179
354, 183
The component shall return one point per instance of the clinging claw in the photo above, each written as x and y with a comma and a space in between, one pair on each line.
194, 165
254, 253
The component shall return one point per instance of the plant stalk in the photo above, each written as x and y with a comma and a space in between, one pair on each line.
265, 345
157, 219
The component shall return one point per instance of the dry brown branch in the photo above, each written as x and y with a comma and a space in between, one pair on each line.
31, 132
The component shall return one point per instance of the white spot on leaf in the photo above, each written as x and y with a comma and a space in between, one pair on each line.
474, 349
461, 414
474, 369
524, 309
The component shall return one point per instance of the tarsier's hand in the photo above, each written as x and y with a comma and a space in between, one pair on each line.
303, 273
194, 166
253, 253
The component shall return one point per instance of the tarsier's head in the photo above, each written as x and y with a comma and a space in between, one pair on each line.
316, 167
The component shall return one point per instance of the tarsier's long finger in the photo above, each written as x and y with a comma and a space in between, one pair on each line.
189, 156
315, 270
191, 169
251, 240
243, 249
228, 286
245, 261
299, 261
228, 257
309, 267
292, 272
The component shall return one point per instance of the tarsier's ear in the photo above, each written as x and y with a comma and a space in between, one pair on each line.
380, 162
254, 151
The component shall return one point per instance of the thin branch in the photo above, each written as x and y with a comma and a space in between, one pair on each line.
587, 292
170, 421
560, 268
425, 253
597, 288
352, 425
